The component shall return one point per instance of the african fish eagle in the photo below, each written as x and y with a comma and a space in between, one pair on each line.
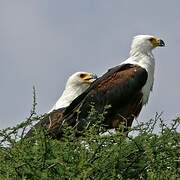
76, 84
126, 88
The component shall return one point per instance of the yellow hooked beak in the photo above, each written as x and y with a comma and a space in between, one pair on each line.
157, 42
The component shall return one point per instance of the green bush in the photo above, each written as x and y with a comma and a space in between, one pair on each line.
148, 155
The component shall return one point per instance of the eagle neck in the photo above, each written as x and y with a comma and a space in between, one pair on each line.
69, 94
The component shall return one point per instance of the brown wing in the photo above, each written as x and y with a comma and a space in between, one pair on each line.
51, 122
121, 88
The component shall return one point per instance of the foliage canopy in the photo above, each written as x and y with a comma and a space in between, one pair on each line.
147, 155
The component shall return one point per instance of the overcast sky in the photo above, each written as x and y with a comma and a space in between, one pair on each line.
43, 42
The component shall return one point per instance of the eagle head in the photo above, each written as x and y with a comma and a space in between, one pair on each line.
83, 79
145, 43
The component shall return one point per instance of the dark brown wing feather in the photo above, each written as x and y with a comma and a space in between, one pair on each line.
51, 122
121, 88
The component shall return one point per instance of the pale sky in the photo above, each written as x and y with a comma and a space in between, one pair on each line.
43, 42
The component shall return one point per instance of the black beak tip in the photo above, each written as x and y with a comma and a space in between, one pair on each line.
161, 43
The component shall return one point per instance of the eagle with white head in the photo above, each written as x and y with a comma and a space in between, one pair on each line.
126, 88
76, 84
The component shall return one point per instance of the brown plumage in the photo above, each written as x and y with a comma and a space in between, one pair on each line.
120, 88
51, 122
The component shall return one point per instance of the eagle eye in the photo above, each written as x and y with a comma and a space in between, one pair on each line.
151, 39
82, 75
